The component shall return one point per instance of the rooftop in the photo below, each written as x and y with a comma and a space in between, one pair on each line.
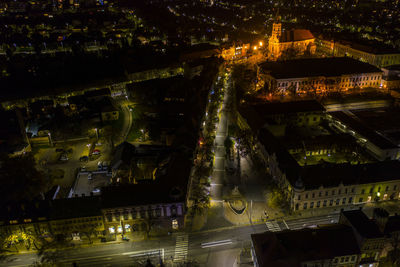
291, 248
316, 67
168, 187
361, 128
370, 47
366, 227
295, 35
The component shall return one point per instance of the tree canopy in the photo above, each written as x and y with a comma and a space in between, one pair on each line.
20, 180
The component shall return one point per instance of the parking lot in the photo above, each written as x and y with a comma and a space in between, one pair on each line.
90, 181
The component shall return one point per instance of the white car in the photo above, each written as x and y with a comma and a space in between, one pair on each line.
89, 176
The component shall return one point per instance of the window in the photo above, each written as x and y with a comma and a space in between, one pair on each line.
311, 205
360, 200
313, 195
387, 188
325, 201
326, 193
353, 189
320, 194
353, 258
371, 190
337, 201
350, 200
395, 187
344, 201
345, 190
318, 204
305, 206
299, 197
346, 259
362, 191
340, 191
331, 202
306, 195
333, 192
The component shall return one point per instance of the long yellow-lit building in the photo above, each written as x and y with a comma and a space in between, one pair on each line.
319, 75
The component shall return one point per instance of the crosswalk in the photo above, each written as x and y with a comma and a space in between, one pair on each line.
181, 248
273, 226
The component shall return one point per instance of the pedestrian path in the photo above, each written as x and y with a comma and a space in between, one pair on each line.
273, 226
181, 248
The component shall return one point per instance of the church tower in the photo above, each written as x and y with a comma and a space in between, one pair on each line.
273, 43
276, 28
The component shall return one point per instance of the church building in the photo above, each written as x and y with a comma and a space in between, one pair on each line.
298, 41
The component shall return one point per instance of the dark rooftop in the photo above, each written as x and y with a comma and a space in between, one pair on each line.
288, 107
365, 227
291, 248
371, 47
169, 187
315, 67
358, 126
51, 210
98, 93
331, 175
392, 225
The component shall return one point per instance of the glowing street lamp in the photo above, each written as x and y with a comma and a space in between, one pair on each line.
260, 43
254, 48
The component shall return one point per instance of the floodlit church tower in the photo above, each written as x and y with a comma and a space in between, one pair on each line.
273, 42
298, 40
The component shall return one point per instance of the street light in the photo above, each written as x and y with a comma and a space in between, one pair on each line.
261, 43
255, 48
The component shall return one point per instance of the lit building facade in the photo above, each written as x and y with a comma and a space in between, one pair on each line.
144, 218
235, 51
319, 75
377, 56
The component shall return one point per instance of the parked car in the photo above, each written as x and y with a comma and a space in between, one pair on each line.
96, 151
84, 158
99, 166
96, 190
83, 169
64, 157
89, 176
125, 238
59, 150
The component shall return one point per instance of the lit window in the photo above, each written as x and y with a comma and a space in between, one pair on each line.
111, 230
175, 224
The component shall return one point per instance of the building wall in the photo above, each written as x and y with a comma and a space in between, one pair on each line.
235, 52
322, 84
140, 218
331, 48
344, 195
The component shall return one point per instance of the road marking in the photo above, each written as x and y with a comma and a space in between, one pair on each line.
181, 248
287, 226
216, 243
272, 226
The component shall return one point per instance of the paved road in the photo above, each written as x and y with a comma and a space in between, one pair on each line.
218, 174
208, 248
126, 127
